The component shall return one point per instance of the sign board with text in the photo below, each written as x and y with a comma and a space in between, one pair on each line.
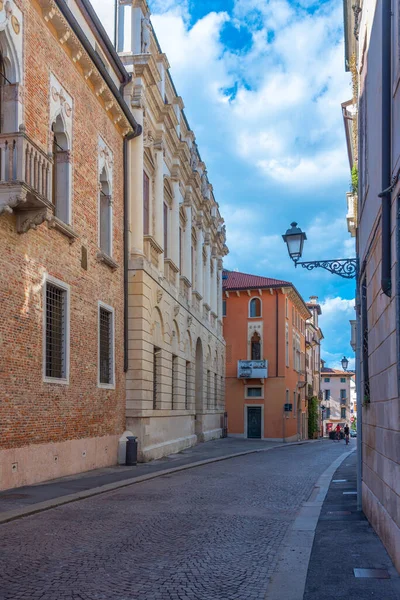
252, 369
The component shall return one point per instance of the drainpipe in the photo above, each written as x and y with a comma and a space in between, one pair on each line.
358, 393
127, 138
386, 278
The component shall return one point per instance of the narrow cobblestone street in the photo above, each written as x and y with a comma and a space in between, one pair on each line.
211, 532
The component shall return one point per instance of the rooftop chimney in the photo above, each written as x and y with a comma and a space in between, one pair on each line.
313, 299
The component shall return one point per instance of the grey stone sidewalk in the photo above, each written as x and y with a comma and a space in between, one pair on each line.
344, 541
25, 500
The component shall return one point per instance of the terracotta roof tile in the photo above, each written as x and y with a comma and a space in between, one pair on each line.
234, 280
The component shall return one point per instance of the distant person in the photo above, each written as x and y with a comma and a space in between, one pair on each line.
338, 432
347, 434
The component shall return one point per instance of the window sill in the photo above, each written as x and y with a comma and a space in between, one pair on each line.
107, 260
55, 381
106, 386
63, 228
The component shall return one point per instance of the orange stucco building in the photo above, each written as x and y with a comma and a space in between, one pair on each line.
264, 325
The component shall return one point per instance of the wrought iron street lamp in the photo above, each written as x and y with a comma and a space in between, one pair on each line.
345, 363
294, 239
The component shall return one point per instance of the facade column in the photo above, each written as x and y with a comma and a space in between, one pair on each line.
174, 237
207, 273
219, 290
187, 245
136, 189
159, 199
199, 263
136, 30
214, 302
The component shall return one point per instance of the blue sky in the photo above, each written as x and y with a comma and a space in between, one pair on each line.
262, 83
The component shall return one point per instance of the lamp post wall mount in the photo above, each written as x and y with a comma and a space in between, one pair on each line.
294, 239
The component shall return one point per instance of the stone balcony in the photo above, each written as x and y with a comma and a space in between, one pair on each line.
25, 181
351, 216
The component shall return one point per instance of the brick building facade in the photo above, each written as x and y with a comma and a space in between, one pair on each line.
63, 124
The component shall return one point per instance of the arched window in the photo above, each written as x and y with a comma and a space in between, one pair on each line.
256, 347
105, 215
255, 307
61, 172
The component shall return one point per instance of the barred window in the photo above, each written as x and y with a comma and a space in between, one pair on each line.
208, 389
215, 391
187, 381
56, 364
106, 346
174, 386
156, 372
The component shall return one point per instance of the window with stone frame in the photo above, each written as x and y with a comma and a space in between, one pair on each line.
105, 215
106, 345
174, 375
56, 330
156, 377
61, 172
187, 385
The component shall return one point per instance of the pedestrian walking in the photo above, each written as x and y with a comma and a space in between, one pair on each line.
347, 434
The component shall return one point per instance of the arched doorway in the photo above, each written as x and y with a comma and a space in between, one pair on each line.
199, 376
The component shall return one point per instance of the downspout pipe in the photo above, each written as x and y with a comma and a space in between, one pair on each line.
127, 139
386, 194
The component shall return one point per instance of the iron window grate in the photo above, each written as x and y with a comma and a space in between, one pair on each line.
55, 332
187, 385
156, 358
106, 359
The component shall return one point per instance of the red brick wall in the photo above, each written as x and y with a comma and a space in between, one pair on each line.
33, 412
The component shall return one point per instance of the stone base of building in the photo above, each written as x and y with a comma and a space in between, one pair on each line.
162, 435
384, 525
36, 463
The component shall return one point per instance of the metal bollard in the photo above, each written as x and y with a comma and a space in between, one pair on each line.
131, 450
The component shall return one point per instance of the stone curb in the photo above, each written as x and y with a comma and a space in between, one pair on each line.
289, 579
12, 515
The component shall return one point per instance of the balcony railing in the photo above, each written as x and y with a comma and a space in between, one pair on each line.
25, 180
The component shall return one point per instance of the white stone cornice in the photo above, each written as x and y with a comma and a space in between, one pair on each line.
162, 58
68, 39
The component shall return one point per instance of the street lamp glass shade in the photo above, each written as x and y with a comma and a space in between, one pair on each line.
345, 363
294, 239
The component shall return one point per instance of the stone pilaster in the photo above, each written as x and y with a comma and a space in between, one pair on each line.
136, 189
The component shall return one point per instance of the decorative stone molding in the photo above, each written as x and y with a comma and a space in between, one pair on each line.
152, 249
105, 161
107, 260
176, 310
189, 320
31, 219
60, 104
159, 295
63, 228
67, 38
148, 134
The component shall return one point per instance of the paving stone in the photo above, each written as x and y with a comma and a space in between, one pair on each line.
210, 533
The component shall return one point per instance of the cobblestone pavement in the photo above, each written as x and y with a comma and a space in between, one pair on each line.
210, 533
